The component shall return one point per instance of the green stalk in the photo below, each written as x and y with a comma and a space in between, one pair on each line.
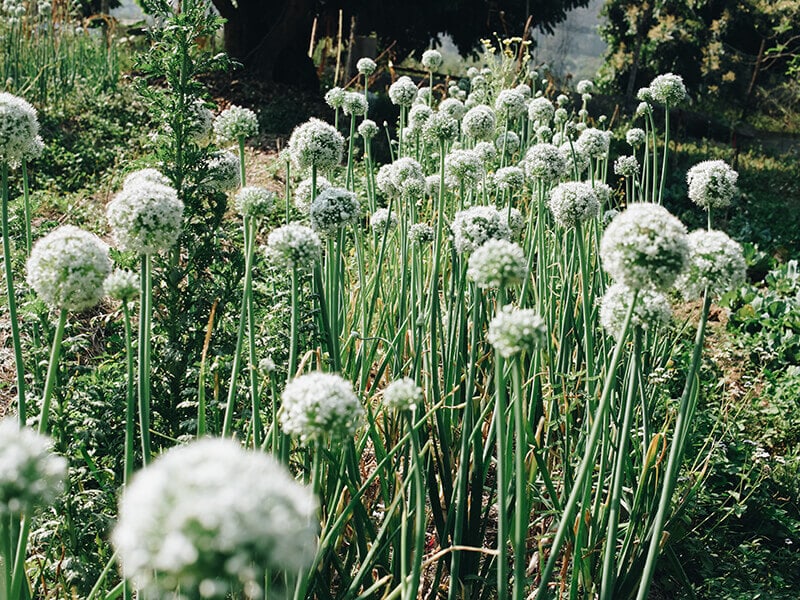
12, 301
52, 372
145, 314
5, 556
682, 424
26, 198
294, 326
610, 554
130, 396
586, 311
242, 173
420, 518
666, 154
251, 339
587, 462
350, 183
521, 512
502, 483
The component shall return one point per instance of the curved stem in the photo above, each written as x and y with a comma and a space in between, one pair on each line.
12, 300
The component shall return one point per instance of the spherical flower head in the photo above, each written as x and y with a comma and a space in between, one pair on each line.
253, 202
575, 161
210, 517
593, 142
19, 127
419, 115
635, 137
544, 162
509, 179
235, 123
603, 192
497, 263
573, 202
223, 171
354, 104
514, 220
440, 127
366, 66
716, 262
432, 59
479, 122
385, 181
122, 285
432, 183
645, 246
145, 218
319, 406
508, 141
509, 104
514, 331
712, 184
67, 268
335, 97
626, 166
525, 90
316, 143
424, 96
381, 219
403, 91
463, 167
30, 474
147, 176
34, 149
407, 177
584, 87
560, 116
368, 129
562, 100
302, 193
453, 107
486, 151
475, 226
667, 90
333, 209
293, 246
402, 394
472, 72
651, 311
544, 134
421, 234
645, 95
541, 110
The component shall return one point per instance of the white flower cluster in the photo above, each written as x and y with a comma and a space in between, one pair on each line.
319, 406
293, 246
645, 246
420, 234
334, 208
122, 285
440, 127
209, 518
507, 142
486, 151
200, 122
541, 110
354, 104
515, 220
19, 130
381, 218
253, 202
544, 162
30, 474
475, 226
148, 175
68, 267
366, 66
479, 122
145, 217
593, 143
334, 97
668, 89
651, 311
418, 116
403, 92
513, 331
584, 87
508, 179
716, 262
368, 129
432, 59
402, 394
463, 167
576, 162
235, 123
635, 137
626, 166
407, 177
573, 202
223, 171
302, 193
316, 143
509, 104
497, 263
453, 108
712, 184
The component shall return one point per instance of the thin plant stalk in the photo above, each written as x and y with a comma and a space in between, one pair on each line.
52, 372
502, 483
420, 520
130, 395
145, 314
666, 154
12, 300
521, 512
26, 199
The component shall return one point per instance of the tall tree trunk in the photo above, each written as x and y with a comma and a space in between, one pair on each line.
270, 38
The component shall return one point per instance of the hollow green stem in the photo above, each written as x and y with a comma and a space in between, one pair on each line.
26, 198
145, 314
130, 396
52, 372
